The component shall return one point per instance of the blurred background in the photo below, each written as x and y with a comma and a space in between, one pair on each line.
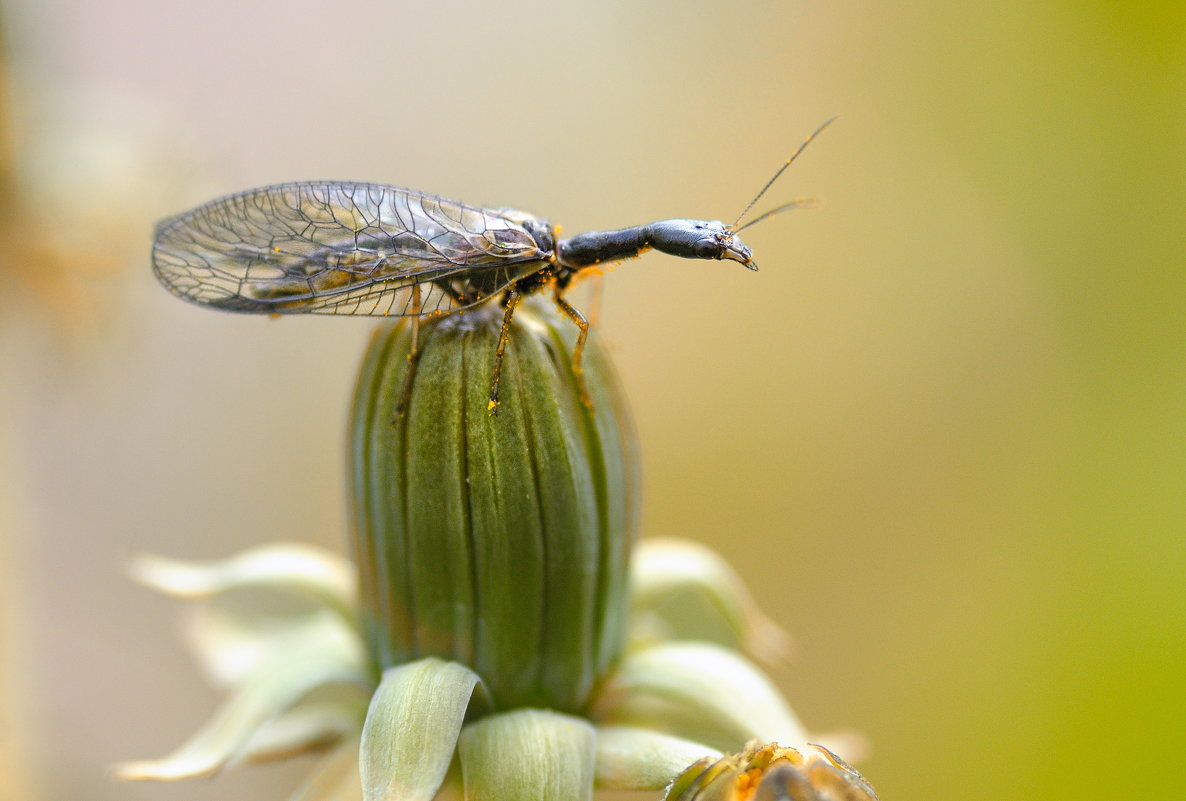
942, 432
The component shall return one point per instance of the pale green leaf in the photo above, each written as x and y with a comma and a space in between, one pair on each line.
335, 778
269, 693
528, 755
700, 691
318, 721
232, 643
629, 758
411, 729
670, 576
294, 567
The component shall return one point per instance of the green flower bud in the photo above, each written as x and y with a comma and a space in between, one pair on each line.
771, 773
497, 540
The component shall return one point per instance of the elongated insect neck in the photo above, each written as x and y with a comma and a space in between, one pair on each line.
596, 247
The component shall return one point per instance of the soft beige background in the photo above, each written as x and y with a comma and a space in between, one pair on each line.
941, 432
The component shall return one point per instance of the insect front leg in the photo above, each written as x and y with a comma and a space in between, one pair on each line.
504, 335
571, 313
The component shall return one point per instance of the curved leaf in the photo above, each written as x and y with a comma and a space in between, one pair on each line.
700, 691
269, 693
411, 729
528, 755
286, 566
641, 759
665, 573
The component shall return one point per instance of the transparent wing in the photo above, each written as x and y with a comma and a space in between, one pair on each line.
345, 248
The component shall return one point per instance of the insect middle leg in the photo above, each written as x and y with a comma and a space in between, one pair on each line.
510, 301
571, 313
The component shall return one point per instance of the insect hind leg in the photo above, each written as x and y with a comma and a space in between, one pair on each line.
405, 392
578, 351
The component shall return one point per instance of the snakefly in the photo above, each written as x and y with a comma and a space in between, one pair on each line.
338, 247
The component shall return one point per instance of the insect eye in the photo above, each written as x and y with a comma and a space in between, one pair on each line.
708, 249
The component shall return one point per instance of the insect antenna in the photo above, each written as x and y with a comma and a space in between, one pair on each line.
804, 203
773, 178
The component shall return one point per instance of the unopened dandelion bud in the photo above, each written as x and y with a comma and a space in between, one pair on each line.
497, 540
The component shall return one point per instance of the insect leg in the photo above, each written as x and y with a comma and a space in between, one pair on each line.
504, 336
578, 318
413, 355
417, 307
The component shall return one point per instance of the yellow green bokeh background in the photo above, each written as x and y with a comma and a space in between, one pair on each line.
941, 432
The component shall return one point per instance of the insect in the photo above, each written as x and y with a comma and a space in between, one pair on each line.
337, 247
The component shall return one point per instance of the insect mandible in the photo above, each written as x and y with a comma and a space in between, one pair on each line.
351, 248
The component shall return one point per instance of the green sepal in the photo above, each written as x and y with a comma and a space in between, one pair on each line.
335, 778
528, 755
270, 691
694, 593
700, 691
232, 642
286, 566
324, 718
640, 759
411, 729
